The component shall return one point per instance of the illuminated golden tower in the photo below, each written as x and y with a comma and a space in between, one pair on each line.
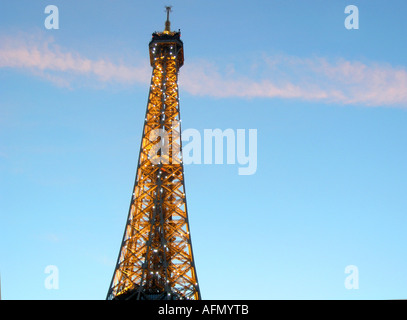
155, 260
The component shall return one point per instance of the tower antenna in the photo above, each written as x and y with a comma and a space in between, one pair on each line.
168, 23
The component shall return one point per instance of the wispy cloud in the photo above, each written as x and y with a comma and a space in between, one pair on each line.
50, 237
312, 79
320, 79
44, 58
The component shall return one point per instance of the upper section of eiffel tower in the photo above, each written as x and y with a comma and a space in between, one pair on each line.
155, 261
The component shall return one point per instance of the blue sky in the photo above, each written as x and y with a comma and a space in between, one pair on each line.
328, 104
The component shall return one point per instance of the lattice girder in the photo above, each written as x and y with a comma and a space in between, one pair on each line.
156, 260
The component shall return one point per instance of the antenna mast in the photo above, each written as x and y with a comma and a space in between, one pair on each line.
168, 23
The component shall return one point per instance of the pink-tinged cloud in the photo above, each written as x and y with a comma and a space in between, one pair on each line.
310, 79
49, 61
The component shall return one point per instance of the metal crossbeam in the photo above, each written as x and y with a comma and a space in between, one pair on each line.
156, 259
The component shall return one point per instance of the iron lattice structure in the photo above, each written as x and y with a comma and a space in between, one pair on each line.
156, 259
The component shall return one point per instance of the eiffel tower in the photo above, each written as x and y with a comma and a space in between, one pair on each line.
155, 261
